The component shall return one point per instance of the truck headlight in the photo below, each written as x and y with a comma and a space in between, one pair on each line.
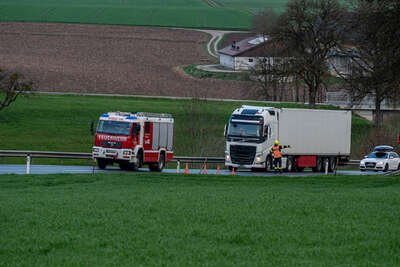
96, 149
227, 157
127, 152
259, 158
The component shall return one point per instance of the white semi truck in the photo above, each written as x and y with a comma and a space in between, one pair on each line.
317, 138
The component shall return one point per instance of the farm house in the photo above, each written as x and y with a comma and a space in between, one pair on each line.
244, 54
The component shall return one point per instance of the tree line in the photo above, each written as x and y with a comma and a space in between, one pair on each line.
309, 32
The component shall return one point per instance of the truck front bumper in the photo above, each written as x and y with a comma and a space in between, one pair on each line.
247, 166
113, 153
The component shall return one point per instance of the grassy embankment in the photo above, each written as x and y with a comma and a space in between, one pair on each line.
221, 14
62, 123
176, 220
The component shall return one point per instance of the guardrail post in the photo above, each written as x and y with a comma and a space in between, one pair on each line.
28, 163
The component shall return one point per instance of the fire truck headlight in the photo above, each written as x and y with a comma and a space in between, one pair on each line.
127, 152
259, 158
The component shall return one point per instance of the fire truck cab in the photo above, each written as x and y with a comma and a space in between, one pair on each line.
134, 139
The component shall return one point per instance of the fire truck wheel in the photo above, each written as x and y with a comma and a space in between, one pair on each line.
159, 166
101, 163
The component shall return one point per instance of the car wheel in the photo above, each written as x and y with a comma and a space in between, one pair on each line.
386, 168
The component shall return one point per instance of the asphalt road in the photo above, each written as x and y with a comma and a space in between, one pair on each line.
53, 169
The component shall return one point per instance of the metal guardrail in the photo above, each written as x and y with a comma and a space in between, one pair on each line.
79, 155
44, 154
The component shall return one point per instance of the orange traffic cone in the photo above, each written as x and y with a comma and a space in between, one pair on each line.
187, 168
218, 169
205, 168
233, 171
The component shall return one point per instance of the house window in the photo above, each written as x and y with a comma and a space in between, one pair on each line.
250, 60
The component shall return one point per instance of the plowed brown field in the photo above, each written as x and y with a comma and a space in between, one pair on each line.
112, 59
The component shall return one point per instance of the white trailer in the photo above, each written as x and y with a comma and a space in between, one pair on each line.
317, 138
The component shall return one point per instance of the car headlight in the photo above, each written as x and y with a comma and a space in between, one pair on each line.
227, 157
380, 163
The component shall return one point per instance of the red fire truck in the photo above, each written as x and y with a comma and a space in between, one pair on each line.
134, 139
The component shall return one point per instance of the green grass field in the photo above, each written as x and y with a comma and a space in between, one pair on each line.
226, 14
176, 220
62, 122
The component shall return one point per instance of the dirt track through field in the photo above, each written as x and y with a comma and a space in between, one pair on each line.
112, 59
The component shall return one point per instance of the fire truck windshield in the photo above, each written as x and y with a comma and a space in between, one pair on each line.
114, 127
244, 129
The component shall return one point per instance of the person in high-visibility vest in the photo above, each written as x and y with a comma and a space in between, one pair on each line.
276, 152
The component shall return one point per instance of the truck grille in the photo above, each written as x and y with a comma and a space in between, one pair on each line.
112, 144
242, 154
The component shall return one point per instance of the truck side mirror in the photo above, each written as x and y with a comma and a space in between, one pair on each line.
92, 128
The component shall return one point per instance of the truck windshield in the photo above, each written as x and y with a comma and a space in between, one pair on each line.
244, 129
114, 127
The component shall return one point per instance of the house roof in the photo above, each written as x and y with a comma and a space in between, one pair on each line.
245, 45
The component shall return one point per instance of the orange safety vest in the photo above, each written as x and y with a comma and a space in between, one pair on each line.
276, 152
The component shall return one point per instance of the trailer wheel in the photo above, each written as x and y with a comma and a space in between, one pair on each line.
159, 166
332, 164
101, 163
290, 164
320, 165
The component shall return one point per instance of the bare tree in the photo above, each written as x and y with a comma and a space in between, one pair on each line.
308, 31
11, 86
375, 61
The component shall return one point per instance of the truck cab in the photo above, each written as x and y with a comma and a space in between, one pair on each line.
250, 134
